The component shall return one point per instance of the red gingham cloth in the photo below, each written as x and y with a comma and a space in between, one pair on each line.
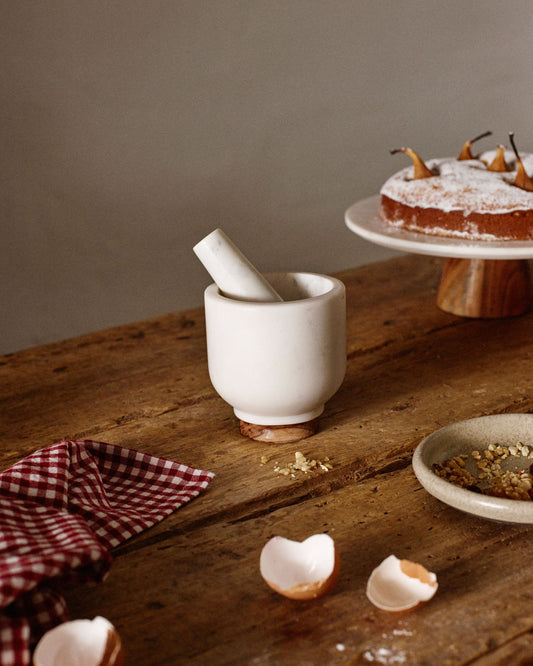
62, 509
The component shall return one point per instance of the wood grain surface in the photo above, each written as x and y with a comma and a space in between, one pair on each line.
189, 589
485, 288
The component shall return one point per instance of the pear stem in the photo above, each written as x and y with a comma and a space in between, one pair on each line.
522, 179
480, 136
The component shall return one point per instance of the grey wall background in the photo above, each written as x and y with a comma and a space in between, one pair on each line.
132, 128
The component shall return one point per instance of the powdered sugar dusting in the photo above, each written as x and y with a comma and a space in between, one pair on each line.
464, 185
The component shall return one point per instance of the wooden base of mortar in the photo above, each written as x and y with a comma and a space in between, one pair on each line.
279, 434
485, 288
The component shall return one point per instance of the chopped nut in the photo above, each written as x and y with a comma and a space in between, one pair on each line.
497, 482
302, 464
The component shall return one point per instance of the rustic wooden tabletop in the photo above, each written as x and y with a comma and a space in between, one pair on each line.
189, 589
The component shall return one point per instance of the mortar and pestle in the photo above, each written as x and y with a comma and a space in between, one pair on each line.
276, 343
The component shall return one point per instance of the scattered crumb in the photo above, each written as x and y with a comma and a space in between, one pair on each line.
401, 632
300, 464
340, 647
385, 656
487, 476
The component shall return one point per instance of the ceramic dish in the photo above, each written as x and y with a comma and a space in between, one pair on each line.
363, 219
464, 437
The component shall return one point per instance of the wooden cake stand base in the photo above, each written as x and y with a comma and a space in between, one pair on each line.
485, 288
279, 434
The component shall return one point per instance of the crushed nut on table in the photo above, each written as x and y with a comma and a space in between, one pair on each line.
300, 464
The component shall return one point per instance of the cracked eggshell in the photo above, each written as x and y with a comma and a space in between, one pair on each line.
398, 585
300, 569
81, 642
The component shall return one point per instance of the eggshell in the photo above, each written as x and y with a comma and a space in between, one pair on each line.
81, 642
300, 569
398, 585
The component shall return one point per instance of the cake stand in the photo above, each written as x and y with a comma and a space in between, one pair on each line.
485, 279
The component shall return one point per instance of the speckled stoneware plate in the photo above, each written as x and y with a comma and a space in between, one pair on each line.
464, 437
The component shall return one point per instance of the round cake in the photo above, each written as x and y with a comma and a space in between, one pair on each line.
463, 198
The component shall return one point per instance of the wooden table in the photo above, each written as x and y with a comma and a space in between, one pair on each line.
189, 590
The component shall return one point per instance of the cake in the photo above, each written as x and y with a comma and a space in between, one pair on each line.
488, 197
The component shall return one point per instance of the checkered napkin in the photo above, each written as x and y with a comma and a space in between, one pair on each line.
61, 511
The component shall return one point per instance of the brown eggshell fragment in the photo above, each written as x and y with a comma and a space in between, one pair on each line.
398, 585
300, 569
80, 642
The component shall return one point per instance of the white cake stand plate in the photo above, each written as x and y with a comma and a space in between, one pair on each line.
485, 279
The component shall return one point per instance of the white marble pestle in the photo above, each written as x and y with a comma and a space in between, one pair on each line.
232, 272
